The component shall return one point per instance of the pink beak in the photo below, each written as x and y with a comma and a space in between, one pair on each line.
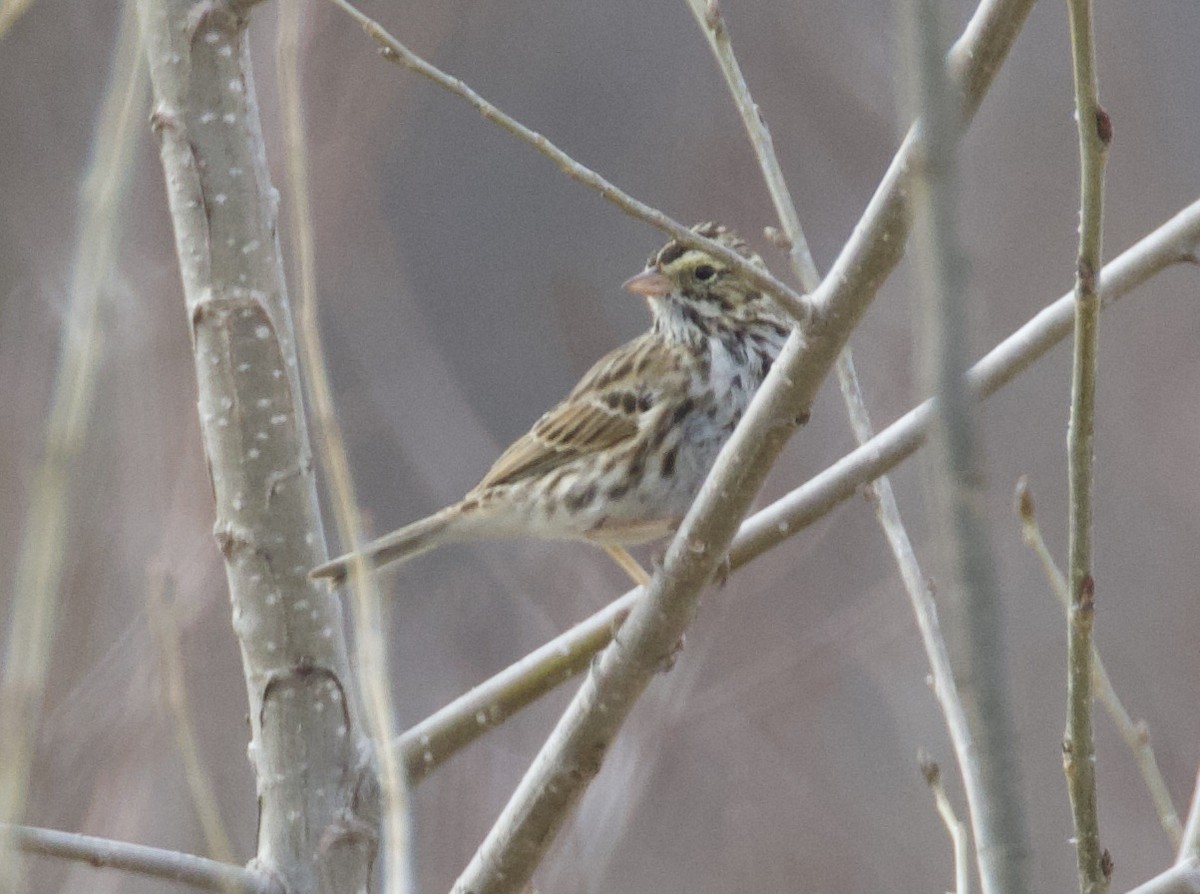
649, 284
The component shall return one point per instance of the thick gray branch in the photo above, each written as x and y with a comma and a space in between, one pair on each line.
318, 809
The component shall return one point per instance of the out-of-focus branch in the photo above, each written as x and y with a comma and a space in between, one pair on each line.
1135, 733
154, 862
34, 592
1079, 750
318, 799
368, 618
992, 773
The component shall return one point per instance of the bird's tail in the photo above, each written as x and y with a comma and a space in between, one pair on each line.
398, 546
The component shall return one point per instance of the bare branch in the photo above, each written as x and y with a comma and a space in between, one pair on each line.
960, 836
103, 853
11, 12
712, 25
318, 798
428, 744
1079, 751
878, 240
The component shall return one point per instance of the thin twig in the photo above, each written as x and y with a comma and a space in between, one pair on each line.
920, 595
712, 25
166, 636
997, 813
1135, 733
960, 837
1189, 846
370, 628
458, 723
788, 300
35, 589
154, 862
1079, 751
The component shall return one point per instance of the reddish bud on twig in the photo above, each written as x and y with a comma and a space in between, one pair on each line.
1104, 128
1024, 501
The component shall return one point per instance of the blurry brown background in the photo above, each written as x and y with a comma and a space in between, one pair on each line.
466, 284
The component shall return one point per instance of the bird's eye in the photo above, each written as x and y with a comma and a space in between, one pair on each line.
705, 272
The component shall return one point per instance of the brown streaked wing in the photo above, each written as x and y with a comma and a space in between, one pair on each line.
584, 423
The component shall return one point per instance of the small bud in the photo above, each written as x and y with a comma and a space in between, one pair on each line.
1106, 864
1024, 501
1104, 128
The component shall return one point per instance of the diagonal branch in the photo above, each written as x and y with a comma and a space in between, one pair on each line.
712, 25
1182, 878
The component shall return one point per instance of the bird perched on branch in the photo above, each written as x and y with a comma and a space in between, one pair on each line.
620, 459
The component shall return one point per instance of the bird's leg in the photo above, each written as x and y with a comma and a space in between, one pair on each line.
628, 564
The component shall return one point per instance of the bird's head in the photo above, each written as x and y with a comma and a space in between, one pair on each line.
690, 289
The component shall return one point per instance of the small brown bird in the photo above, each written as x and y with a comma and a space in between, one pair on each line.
620, 460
